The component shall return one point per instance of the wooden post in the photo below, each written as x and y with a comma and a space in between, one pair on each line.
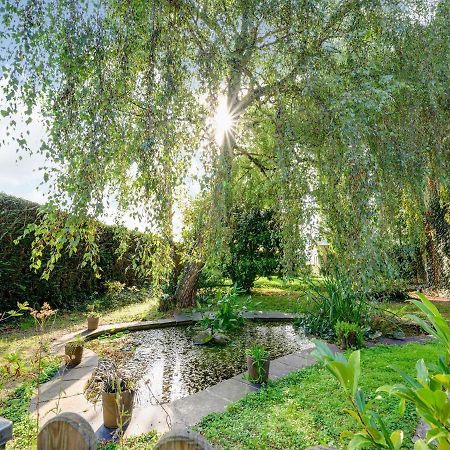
67, 431
182, 439
6, 434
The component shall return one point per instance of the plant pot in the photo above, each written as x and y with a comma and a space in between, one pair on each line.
253, 375
93, 323
74, 354
117, 408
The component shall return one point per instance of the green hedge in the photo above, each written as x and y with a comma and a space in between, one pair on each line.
69, 285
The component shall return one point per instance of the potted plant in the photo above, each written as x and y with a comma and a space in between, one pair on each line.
93, 317
258, 362
117, 390
74, 351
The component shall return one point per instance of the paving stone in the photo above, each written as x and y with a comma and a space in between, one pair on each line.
76, 403
183, 318
6, 431
75, 373
241, 378
231, 390
190, 410
278, 370
268, 315
152, 417
295, 361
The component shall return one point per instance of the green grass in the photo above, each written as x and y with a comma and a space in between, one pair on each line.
306, 408
16, 407
403, 308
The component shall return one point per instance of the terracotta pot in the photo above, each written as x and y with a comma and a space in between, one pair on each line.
117, 408
74, 354
253, 371
93, 323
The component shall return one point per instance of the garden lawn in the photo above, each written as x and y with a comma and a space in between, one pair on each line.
306, 408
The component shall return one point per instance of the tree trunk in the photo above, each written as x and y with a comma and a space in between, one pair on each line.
187, 285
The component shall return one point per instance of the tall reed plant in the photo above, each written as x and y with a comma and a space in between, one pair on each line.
333, 300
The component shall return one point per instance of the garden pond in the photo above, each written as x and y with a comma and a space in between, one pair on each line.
169, 366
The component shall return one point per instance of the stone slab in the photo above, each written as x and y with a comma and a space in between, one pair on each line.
182, 318
75, 373
190, 410
296, 361
152, 417
76, 403
269, 315
59, 388
278, 370
6, 431
231, 390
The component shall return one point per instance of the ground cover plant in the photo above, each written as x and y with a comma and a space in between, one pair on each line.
305, 408
428, 391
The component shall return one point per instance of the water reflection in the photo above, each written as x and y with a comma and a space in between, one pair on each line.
172, 367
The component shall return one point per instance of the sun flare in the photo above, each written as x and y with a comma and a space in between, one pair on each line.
223, 121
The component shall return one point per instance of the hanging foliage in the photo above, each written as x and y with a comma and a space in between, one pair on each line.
328, 117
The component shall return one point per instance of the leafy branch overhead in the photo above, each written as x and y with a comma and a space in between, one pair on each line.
338, 110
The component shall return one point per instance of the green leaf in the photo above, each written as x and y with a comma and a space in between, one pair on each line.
397, 439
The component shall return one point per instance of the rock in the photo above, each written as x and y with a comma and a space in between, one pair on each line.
399, 335
221, 338
202, 338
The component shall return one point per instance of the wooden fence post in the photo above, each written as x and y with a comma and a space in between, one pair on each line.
6, 429
67, 431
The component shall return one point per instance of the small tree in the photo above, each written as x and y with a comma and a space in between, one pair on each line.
255, 246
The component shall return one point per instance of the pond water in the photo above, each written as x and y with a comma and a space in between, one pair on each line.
172, 367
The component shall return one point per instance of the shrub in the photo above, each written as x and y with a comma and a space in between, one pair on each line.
333, 300
228, 312
255, 247
70, 285
349, 335
428, 392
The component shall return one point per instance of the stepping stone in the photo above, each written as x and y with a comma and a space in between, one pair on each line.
190, 410
231, 390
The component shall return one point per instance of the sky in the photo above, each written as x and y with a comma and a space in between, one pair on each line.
22, 177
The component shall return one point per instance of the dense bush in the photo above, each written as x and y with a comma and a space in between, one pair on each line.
69, 285
255, 246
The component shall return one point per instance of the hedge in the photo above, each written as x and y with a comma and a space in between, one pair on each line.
69, 285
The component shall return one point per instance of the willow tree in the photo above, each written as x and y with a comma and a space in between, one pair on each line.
129, 90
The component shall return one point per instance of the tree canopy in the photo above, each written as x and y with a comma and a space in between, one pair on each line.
337, 111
